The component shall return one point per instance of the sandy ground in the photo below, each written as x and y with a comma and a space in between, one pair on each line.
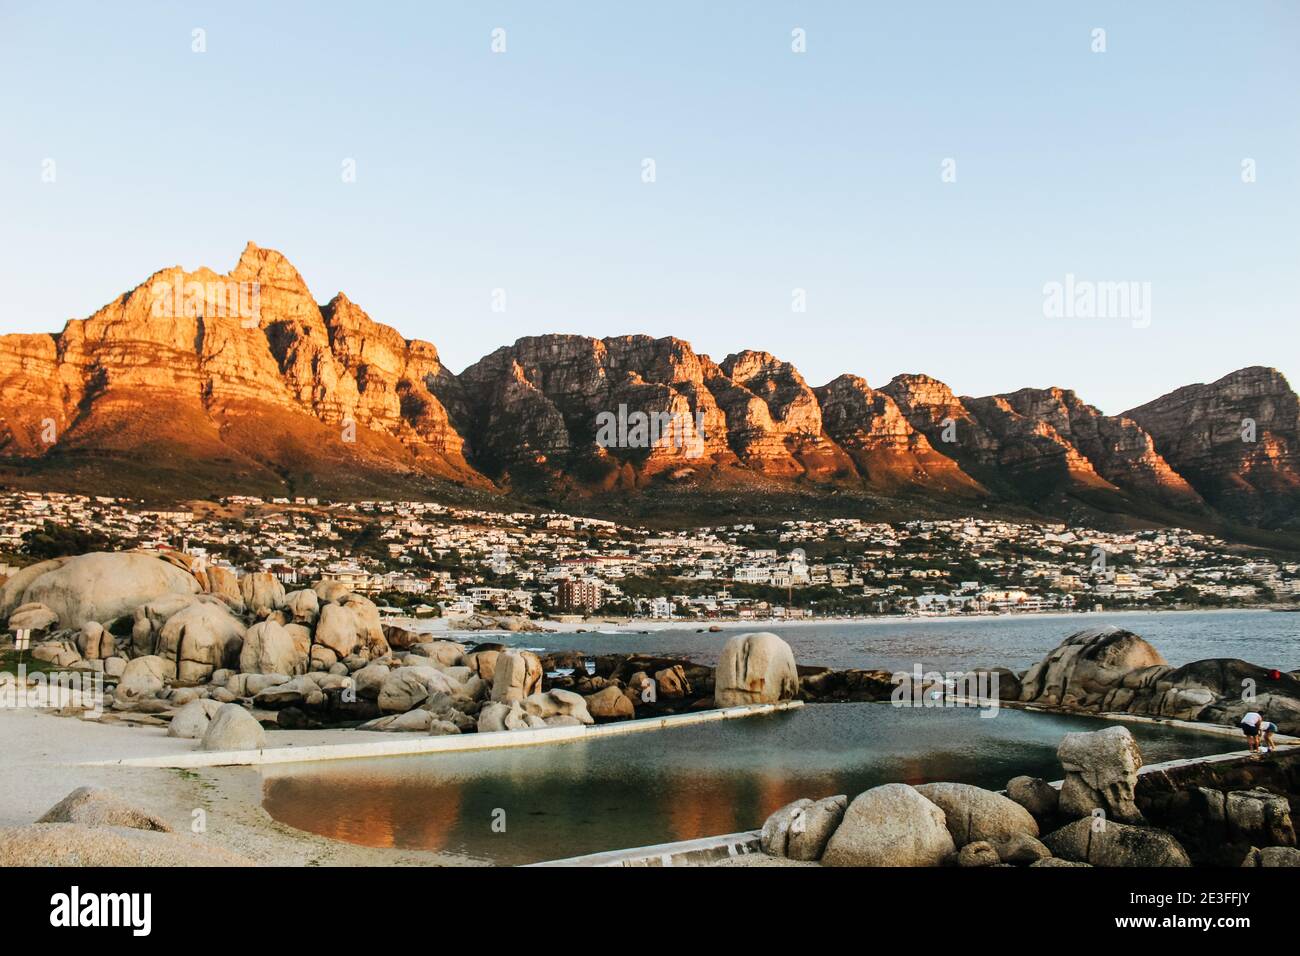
45, 756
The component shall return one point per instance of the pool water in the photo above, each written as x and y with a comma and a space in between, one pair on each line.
564, 800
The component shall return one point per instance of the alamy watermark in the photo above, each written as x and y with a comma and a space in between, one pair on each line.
638, 429
1086, 299
978, 689
83, 690
194, 299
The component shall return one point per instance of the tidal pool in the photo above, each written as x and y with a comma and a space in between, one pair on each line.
562, 800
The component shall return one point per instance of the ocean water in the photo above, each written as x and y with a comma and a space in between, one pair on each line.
1270, 639
678, 784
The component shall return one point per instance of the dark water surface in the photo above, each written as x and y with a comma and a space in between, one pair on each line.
1267, 638
567, 799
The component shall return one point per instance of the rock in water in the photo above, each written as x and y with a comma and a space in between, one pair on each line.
1106, 843
755, 669
672, 682
891, 825
1083, 668
974, 814
1101, 771
233, 728
95, 807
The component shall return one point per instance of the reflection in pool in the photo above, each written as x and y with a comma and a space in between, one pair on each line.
568, 799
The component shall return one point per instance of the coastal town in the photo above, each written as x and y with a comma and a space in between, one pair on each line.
424, 559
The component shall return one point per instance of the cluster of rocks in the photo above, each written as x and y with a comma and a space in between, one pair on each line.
1094, 819
1110, 669
1227, 812
754, 668
1101, 670
220, 657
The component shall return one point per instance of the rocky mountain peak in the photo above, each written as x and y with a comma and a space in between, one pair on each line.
209, 381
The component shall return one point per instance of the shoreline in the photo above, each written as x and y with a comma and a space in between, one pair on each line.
442, 625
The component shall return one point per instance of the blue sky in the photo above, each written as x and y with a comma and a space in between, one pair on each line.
775, 171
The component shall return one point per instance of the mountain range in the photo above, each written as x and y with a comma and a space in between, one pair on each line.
159, 394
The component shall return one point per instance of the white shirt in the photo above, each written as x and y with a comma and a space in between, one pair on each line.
1251, 718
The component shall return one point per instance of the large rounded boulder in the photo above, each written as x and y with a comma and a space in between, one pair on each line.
12, 591
408, 687
974, 814
339, 630
233, 728
800, 830
223, 583
200, 639
517, 675
269, 648
755, 669
1084, 668
143, 677
891, 825
262, 593
558, 703
1101, 772
1104, 842
335, 591
303, 606
102, 586
369, 628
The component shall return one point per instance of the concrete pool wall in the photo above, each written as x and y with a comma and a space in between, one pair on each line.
412, 744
